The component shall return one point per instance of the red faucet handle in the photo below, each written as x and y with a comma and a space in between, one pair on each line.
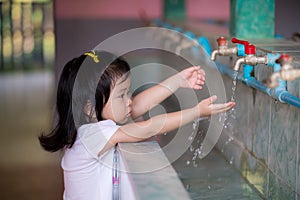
222, 41
250, 49
284, 58
244, 42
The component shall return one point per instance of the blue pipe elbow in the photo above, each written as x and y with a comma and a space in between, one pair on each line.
272, 57
247, 71
240, 50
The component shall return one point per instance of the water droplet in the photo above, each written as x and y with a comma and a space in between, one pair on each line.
187, 186
195, 124
231, 161
195, 164
191, 148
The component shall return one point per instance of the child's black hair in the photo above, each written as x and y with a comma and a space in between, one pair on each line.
89, 77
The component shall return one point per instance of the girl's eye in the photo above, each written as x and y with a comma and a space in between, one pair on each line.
121, 96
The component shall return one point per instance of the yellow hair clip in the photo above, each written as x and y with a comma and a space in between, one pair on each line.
93, 55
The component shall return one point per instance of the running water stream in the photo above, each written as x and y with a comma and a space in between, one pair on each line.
228, 118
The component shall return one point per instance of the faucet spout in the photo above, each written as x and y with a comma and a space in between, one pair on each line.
238, 64
214, 54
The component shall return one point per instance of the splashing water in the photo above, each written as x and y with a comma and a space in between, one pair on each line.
230, 115
226, 118
231, 160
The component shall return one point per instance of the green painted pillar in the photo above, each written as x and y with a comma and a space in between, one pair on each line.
252, 18
174, 9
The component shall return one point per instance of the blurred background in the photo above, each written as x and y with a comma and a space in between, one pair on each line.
37, 38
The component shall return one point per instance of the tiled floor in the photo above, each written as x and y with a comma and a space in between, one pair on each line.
26, 109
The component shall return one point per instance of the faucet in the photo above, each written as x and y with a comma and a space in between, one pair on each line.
286, 72
249, 59
223, 49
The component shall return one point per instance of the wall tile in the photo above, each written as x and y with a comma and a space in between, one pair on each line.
278, 190
283, 143
244, 114
261, 123
293, 87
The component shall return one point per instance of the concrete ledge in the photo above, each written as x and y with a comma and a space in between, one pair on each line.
151, 173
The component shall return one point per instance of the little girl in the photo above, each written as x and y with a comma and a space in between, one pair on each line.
96, 112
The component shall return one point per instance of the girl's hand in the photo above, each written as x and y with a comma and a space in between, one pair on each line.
192, 77
207, 107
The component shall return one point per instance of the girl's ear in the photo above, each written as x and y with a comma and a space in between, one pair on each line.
89, 111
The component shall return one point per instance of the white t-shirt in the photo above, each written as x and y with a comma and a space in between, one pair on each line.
87, 176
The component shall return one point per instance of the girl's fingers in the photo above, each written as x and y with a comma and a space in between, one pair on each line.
200, 82
197, 87
217, 108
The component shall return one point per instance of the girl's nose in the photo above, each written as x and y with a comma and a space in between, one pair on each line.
129, 102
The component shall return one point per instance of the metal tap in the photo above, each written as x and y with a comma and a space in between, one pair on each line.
287, 71
223, 49
249, 58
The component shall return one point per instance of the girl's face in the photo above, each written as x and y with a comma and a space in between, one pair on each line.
118, 107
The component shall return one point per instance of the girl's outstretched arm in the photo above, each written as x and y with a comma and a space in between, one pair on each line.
192, 77
160, 124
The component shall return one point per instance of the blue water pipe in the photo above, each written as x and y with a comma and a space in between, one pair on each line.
290, 99
203, 41
277, 93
